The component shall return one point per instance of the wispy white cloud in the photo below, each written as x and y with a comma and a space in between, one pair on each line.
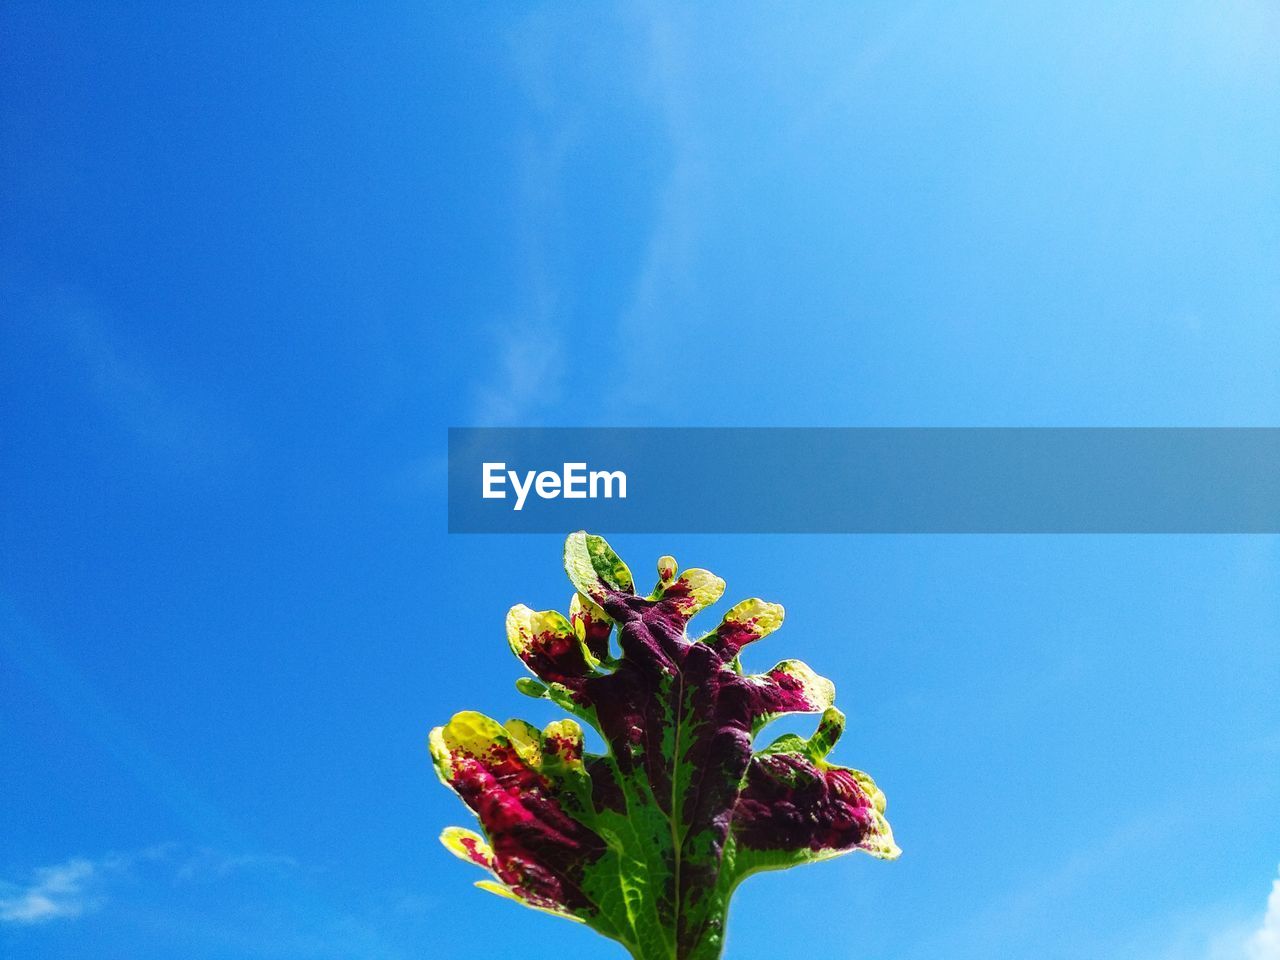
662, 301
524, 375
527, 375
213, 864
528, 368
81, 885
1264, 944
180, 899
57, 892
657, 306
1225, 933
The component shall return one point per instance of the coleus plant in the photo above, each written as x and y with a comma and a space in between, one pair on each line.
646, 843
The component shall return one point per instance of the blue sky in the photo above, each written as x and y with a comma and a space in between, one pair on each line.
254, 262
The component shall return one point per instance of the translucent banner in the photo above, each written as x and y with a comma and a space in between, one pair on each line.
864, 480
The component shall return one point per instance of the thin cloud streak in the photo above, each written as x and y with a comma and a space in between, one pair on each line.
662, 279
35, 657
658, 306
528, 352
160, 410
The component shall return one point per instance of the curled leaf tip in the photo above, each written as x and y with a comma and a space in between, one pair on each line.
592, 625
666, 570
468, 845
745, 623
549, 646
595, 569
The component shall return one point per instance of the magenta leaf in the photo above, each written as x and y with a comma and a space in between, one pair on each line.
647, 842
